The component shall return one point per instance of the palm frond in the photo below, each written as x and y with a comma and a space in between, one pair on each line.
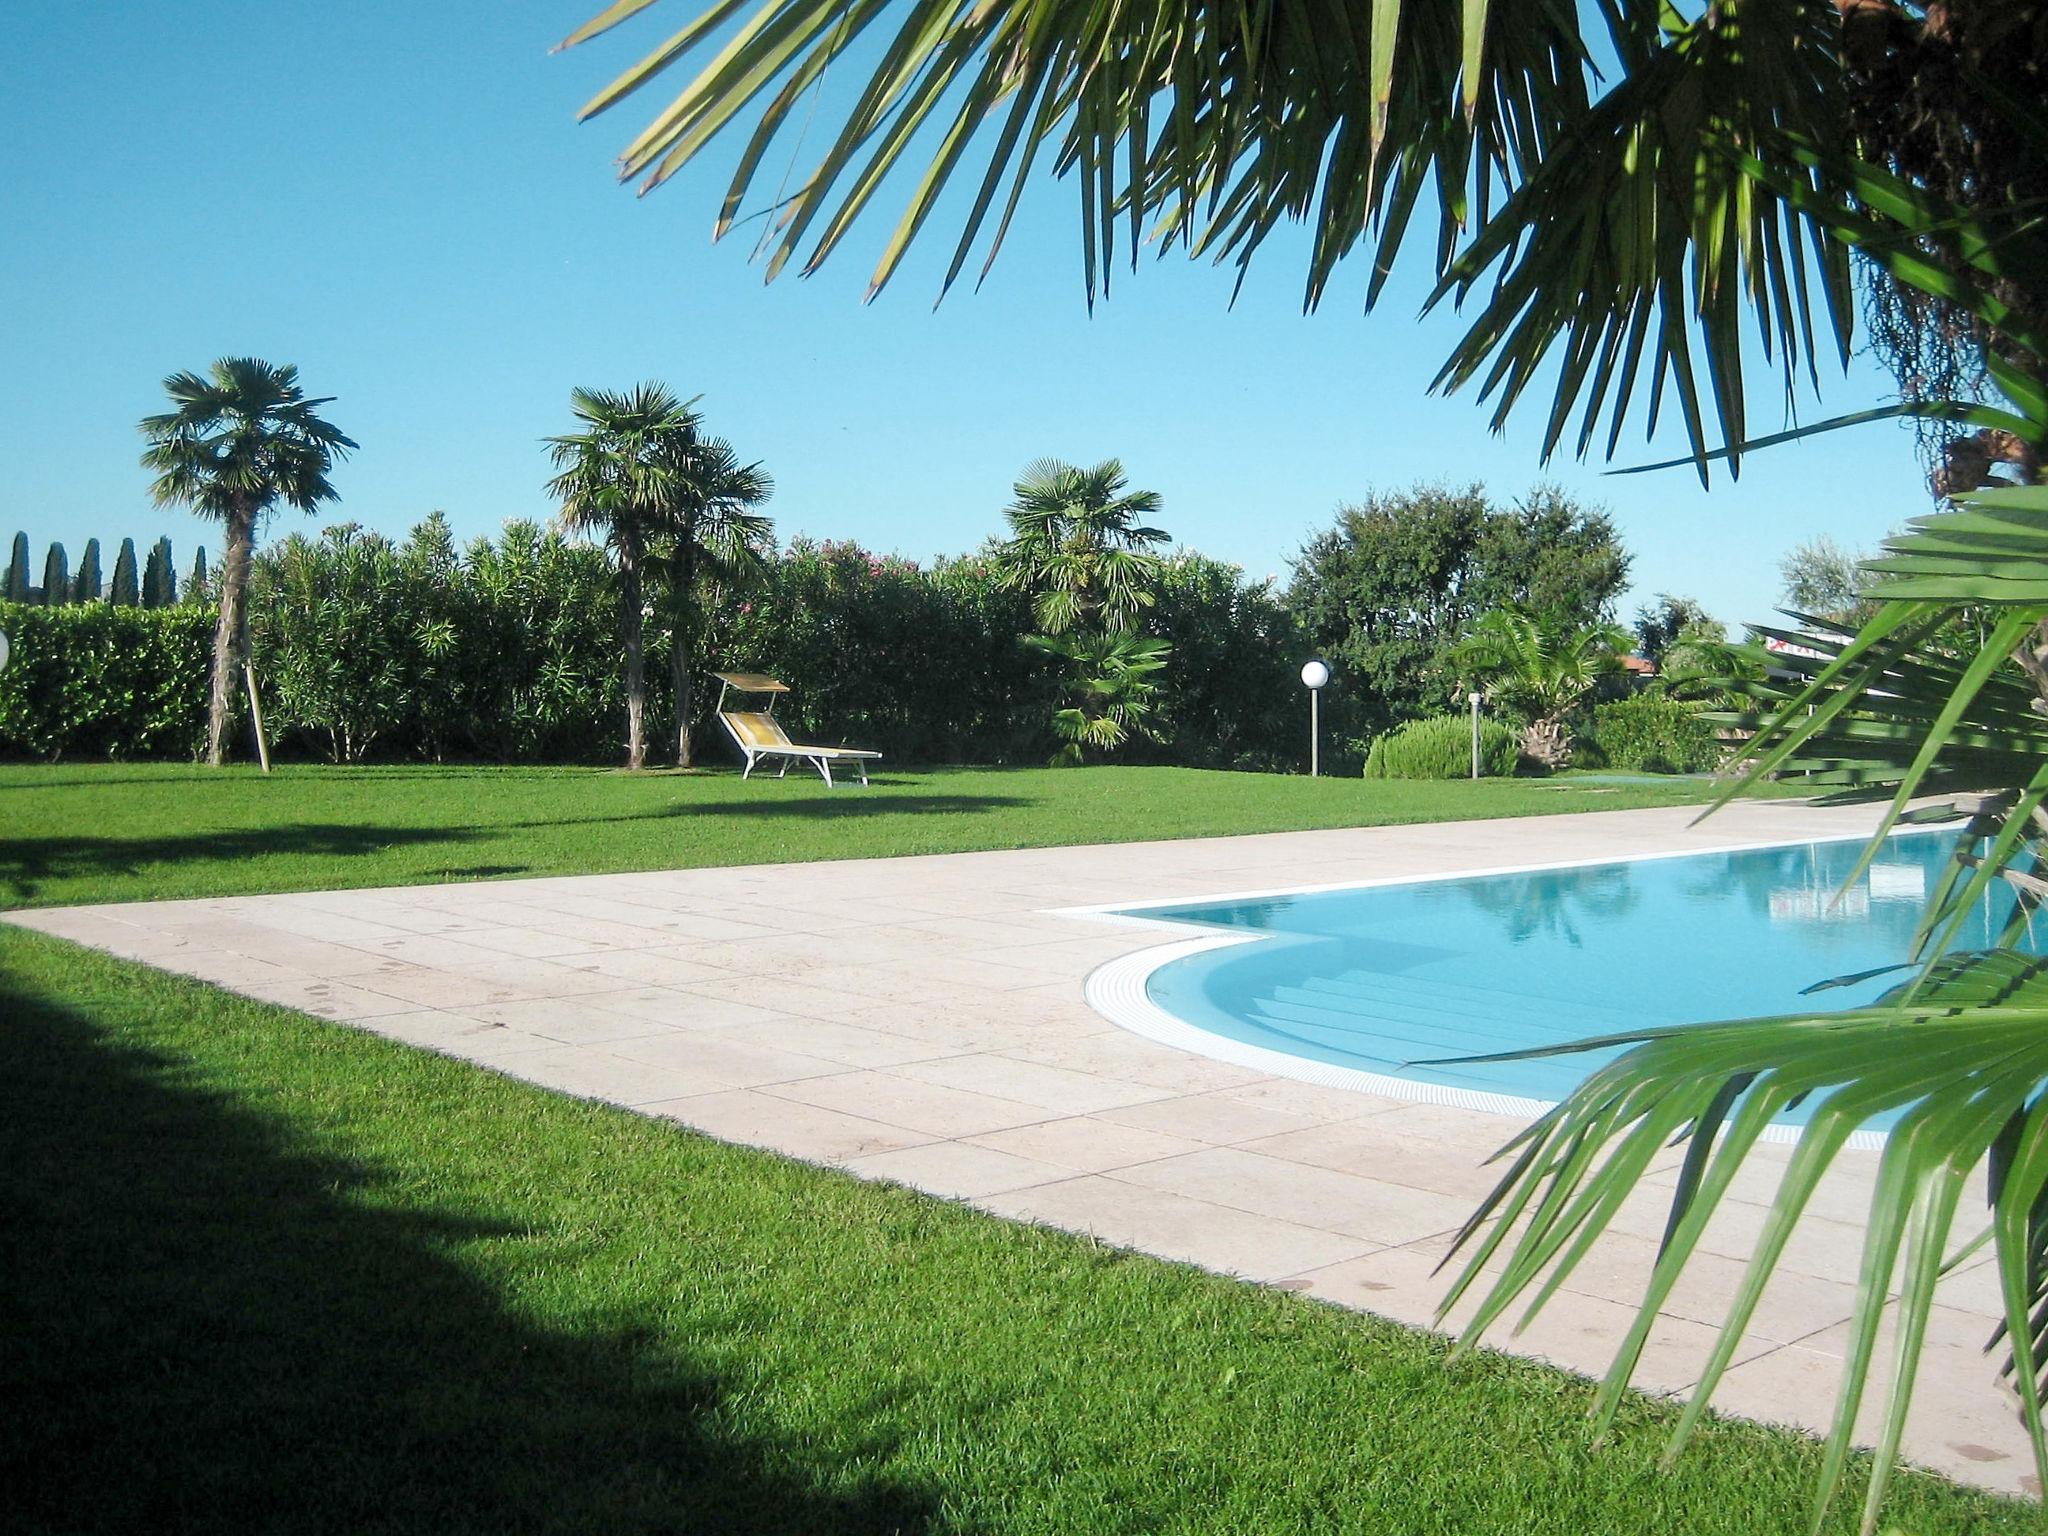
1953, 1066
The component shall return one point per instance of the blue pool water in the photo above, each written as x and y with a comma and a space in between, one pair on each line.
1380, 978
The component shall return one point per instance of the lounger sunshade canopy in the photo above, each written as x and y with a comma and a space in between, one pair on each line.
751, 682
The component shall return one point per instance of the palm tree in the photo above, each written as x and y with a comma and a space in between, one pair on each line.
1543, 665
1111, 675
1077, 546
613, 479
1637, 197
235, 444
709, 535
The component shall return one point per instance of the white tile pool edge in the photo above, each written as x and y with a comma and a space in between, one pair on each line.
1118, 990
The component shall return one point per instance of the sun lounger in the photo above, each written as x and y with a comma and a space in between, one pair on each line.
759, 735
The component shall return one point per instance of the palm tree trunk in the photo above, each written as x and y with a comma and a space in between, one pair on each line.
229, 634
630, 622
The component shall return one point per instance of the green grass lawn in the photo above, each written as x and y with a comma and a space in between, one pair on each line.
108, 832
265, 1273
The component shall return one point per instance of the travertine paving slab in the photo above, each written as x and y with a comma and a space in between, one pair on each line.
922, 1020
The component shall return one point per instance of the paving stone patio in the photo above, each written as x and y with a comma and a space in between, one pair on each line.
922, 1020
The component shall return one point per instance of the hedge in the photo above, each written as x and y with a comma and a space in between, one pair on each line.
507, 650
1440, 747
93, 680
1648, 734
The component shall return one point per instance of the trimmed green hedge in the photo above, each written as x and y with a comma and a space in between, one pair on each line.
507, 650
94, 680
1440, 747
1648, 734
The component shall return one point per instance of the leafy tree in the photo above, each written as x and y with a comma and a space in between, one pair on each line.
1821, 578
1233, 697
198, 588
1550, 553
235, 444
1543, 666
337, 647
1387, 592
612, 479
85, 585
17, 589
123, 594
1659, 625
56, 577
711, 543
1078, 549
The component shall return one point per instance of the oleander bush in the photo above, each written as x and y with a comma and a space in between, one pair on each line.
1440, 747
92, 680
1648, 734
505, 650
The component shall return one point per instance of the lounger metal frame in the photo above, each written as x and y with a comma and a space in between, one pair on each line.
820, 758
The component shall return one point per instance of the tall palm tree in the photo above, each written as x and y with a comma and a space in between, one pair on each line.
1077, 546
1639, 197
235, 444
614, 479
711, 536
1542, 664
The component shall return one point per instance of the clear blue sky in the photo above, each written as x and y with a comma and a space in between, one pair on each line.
396, 197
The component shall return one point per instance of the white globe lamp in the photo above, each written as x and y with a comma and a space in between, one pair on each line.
1315, 672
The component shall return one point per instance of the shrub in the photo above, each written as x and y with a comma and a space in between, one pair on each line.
1440, 747
1231, 694
1647, 734
93, 680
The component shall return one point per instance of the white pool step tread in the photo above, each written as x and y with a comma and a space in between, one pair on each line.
1505, 1003
1389, 1021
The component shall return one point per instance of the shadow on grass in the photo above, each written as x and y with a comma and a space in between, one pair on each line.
208, 1328
27, 862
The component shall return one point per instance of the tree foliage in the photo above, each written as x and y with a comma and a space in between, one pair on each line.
17, 587
1820, 578
1386, 592
56, 588
125, 593
235, 444
1078, 548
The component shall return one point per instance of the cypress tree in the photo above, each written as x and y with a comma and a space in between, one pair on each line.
85, 586
195, 584
56, 577
153, 577
17, 571
166, 576
123, 594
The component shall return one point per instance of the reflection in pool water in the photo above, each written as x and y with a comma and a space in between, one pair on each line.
1380, 979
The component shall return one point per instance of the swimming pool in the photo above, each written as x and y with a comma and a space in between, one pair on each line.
1358, 987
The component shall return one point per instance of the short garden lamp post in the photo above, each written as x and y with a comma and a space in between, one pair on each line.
1314, 673
1475, 733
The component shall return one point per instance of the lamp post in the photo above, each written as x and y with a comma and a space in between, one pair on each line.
1314, 673
1475, 734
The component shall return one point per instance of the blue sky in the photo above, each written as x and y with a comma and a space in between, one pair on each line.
396, 197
